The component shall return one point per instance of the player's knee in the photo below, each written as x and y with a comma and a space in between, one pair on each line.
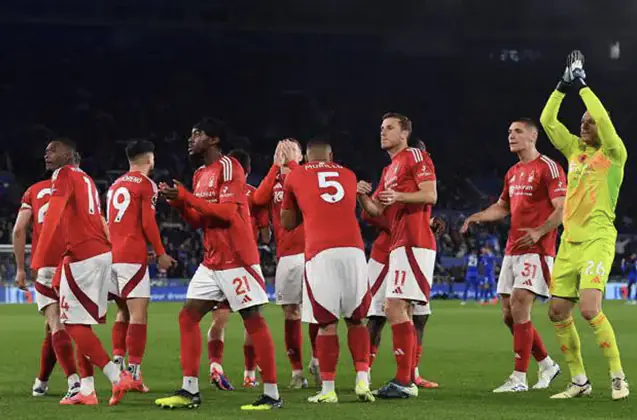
291, 312
558, 313
352, 322
253, 311
589, 311
329, 329
122, 315
396, 309
420, 321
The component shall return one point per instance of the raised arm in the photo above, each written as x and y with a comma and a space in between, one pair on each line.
611, 142
557, 132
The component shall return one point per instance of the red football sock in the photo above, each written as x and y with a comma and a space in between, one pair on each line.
293, 339
538, 349
250, 357
358, 340
313, 330
522, 343
190, 342
372, 354
215, 351
264, 346
118, 337
85, 365
403, 340
328, 349
88, 344
136, 343
63, 347
47, 358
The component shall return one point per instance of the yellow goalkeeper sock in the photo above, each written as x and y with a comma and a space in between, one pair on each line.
606, 340
569, 342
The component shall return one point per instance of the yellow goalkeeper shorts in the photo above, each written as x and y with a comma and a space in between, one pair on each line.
582, 265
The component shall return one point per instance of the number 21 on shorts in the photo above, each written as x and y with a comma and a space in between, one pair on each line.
241, 285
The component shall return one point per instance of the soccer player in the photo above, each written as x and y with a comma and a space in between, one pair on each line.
533, 195
471, 276
131, 220
230, 269
86, 269
260, 218
408, 190
629, 268
288, 278
487, 262
57, 343
322, 195
587, 249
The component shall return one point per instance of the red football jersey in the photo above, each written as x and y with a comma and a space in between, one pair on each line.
259, 215
409, 223
287, 242
36, 198
226, 245
81, 220
325, 192
380, 246
528, 189
130, 203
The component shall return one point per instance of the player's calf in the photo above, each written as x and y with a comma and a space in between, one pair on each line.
215, 348
136, 338
120, 332
397, 311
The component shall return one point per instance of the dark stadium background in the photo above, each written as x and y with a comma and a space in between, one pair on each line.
108, 71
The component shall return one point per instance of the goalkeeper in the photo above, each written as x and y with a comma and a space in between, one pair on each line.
596, 170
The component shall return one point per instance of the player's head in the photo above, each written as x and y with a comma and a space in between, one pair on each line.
417, 143
394, 131
77, 158
141, 153
298, 150
319, 149
59, 152
243, 158
207, 133
523, 134
588, 130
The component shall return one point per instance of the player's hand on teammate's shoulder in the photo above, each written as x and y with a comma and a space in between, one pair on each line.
530, 238
388, 197
363, 188
166, 261
20, 279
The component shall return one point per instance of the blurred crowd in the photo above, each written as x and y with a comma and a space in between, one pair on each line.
103, 93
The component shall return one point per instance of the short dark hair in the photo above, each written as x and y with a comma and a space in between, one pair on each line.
403, 121
318, 141
529, 122
138, 148
67, 142
77, 158
243, 157
212, 127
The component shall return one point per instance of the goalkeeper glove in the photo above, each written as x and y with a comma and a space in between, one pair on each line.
575, 66
565, 82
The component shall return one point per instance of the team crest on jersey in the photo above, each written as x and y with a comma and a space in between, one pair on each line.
531, 177
212, 181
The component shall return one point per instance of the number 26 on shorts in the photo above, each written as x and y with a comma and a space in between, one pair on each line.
592, 268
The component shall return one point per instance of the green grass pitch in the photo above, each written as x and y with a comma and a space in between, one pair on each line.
467, 349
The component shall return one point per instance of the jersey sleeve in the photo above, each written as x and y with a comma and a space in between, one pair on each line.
557, 132
27, 200
62, 184
232, 188
262, 216
422, 168
555, 180
289, 199
504, 196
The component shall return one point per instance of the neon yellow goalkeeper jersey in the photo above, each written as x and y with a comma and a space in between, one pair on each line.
595, 174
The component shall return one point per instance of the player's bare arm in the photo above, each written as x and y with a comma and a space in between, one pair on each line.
496, 211
371, 206
56, 209
427, 194
291, 218
533, 235
19, 243
107, 232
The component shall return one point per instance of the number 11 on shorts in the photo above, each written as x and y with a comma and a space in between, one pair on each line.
399, 277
